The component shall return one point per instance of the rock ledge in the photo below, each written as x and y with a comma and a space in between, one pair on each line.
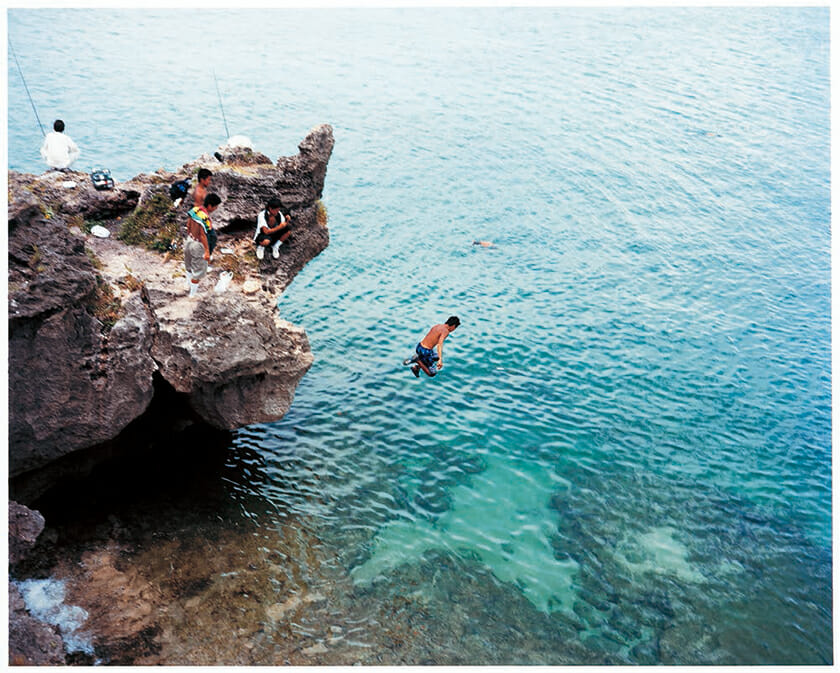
94, 322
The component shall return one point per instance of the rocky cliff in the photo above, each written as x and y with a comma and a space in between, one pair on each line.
99, 326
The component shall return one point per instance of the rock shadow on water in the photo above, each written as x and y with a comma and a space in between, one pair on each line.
167, 448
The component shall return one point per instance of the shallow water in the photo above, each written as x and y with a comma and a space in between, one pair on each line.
627, 458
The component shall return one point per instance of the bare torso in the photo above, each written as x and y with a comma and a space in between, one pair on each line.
195, 229
435, 336
200, 193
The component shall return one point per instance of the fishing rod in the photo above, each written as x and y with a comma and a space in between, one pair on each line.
220, 104
23, 79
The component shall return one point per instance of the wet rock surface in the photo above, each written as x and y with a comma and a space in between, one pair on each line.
25, 525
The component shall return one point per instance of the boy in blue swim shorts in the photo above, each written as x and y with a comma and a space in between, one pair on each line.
426, 358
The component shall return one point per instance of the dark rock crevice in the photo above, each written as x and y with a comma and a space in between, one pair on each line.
169, 426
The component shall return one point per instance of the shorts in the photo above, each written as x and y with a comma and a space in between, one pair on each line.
271, 238
194, 258
428, 357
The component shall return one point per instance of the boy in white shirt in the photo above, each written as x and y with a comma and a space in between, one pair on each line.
272, 229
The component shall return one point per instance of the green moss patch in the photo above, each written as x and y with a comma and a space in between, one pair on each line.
321, 213
104, 306
241, 266
154, 225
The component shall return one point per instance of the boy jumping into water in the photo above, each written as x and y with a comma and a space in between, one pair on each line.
426, 359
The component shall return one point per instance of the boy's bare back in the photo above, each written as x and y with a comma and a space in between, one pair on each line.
200, 193
436, 334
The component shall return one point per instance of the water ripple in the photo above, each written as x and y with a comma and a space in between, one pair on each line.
628, 453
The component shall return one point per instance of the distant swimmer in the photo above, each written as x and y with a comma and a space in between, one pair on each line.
484, 244
425, 357
59, 150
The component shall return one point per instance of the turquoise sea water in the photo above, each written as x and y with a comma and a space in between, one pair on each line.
627, 458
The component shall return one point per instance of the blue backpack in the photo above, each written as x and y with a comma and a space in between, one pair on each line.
179, 189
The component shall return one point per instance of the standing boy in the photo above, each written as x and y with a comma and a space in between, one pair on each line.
200, 241
426, 359
200, 193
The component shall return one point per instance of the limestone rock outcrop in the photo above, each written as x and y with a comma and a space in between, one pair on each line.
69, 385
93, 322
236, 363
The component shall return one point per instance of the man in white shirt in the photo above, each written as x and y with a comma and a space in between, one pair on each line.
59, 150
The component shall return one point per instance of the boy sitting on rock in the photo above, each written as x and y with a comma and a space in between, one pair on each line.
272, 229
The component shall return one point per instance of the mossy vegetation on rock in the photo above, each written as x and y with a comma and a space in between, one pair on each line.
36, 259
241, 264
153, 225
321, 213
105, 306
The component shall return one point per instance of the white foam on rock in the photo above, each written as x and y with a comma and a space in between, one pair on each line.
45, 601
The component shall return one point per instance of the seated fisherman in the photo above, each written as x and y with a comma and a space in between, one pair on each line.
272, 229
59, 150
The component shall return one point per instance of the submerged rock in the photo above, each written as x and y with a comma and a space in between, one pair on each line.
93, 320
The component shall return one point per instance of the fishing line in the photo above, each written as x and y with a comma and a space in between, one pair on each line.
220, 104
23, 79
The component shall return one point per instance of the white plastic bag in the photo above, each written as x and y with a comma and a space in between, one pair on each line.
224, 281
